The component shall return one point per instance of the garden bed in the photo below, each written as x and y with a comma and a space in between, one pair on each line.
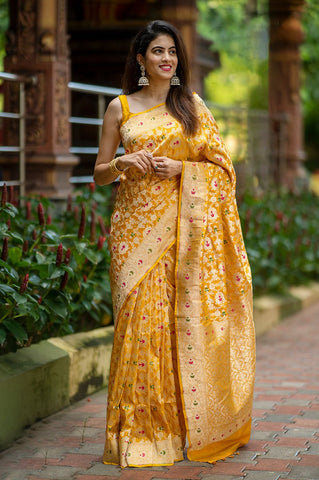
42, 379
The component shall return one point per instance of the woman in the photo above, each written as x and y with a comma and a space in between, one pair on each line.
183, 355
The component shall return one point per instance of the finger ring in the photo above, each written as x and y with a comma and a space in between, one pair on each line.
156, 167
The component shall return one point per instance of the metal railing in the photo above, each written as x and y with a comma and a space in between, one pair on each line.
20, 117
101, 93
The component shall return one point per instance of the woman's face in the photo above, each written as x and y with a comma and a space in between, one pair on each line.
160, 59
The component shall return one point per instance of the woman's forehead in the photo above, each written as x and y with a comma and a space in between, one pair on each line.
162, 40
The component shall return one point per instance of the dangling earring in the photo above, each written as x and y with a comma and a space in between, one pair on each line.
175, 80
143, 80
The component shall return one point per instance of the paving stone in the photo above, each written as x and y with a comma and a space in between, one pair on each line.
288, 410
300, 473
300, 432
313, 449
309, 414
291, 453
292, 442
242, 457
309, 460
57, 473
269, 426
261, 476
298, 402
264, 404
95, 477
283, 418
219, 477
102, 469
261, 435
270, 464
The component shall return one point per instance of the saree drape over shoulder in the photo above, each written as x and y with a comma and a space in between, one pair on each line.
183, 359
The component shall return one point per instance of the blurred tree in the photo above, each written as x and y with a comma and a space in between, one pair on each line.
310, 90
4, 21
239, 31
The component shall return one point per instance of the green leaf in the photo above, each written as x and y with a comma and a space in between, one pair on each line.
81, 247
20, 299
57, 306
16, 329
58, 272
6, 289
16, 236
3, 336
3, 229
9, 270
40, 257
51, 235
15, 254
92, 256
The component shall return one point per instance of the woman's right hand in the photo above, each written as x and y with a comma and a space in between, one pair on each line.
141, 160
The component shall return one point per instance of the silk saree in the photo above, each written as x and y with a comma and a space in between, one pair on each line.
183, 358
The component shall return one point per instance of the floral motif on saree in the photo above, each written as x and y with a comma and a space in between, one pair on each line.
183, 358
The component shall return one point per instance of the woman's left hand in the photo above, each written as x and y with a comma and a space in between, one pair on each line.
165, 167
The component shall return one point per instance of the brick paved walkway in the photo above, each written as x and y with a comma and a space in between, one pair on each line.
284, 443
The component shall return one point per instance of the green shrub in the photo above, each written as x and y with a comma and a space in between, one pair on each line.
54, 267
281, 234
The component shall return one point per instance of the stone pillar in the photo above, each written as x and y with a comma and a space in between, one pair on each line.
285, 38
37, 45
183, 14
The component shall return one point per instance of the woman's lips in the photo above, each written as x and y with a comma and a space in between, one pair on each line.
166, 68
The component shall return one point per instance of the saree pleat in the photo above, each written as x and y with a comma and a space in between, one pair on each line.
183, 358
145, 417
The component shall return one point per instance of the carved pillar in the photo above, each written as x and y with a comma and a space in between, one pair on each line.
37, 44
286, 36
183, 14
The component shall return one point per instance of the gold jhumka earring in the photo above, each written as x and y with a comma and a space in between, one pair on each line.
175, 80
143, 80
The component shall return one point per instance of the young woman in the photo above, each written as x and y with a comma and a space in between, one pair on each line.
183, 357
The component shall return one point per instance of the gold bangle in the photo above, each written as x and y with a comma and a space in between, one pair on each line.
113, 167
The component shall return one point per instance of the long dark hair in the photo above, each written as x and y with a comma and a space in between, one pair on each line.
180, 100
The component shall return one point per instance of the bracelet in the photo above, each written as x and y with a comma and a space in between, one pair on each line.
113, 167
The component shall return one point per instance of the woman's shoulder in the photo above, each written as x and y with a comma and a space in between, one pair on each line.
198, 100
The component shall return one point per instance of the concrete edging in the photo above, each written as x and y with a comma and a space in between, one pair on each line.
40, 380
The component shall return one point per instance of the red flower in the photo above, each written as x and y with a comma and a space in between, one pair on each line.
24, 283
4, 195
64, 281
69, 207
92, 187
9, 223
49, 220
82, 223
4, 254
34, 234
25, 246
85, 277
11, 194
59, 255
41, 214
67, 257
28, 210
102, 226
76, 213
92, 226
100, 242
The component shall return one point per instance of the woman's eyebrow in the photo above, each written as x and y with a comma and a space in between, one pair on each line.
158, 46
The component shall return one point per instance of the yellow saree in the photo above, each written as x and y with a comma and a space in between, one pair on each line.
183, 358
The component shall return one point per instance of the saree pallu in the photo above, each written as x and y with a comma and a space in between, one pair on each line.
183, 358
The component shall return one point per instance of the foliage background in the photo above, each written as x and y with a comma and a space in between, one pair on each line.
239, 31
